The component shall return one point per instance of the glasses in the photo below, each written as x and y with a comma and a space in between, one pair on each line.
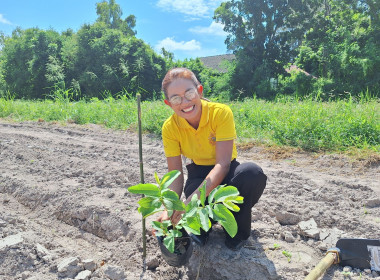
189, 95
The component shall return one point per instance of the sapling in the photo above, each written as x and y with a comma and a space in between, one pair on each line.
197, 212
287, 254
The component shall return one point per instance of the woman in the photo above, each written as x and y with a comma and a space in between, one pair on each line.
205, 132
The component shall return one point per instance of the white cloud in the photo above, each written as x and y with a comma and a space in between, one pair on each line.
171, 45
4, 20
215, 28
194, 8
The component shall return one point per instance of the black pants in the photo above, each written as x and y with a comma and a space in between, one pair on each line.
247, 177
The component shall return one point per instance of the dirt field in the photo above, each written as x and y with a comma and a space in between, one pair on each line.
65, 212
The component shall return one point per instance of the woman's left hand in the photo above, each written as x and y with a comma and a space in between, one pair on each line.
177, 215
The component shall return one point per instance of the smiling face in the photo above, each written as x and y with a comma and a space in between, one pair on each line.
190, 110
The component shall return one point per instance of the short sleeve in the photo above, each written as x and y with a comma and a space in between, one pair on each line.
171, 142
225, 128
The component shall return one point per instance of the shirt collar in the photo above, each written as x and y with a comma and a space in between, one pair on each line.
204, 117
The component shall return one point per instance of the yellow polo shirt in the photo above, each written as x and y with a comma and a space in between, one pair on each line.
217, 124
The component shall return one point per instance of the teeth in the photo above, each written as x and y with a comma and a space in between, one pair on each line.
188, 109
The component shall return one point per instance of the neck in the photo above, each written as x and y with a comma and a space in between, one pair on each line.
194, 124
196, 121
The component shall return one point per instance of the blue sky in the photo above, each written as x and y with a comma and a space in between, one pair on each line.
184, 27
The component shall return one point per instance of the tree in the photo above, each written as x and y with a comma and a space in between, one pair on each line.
262, 34
100, 57
342, 49
336, 41
110, 13
24, 58
123, 63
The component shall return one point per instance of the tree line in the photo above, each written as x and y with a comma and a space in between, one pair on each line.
335, 42
330, 48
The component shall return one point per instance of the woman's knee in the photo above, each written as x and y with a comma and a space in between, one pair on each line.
249, 175
249, 169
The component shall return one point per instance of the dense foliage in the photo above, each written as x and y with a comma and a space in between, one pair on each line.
100, 59
325, 48
337, 43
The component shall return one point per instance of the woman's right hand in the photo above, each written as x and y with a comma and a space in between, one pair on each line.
164, 216
177, 215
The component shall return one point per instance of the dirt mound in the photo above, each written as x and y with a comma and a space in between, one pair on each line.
65, 212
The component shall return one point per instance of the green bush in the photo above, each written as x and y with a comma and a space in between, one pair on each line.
297, 83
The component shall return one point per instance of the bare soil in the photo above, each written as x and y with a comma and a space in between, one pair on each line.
63, 195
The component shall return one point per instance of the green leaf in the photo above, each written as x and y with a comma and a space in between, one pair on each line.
193, 225
226, 219
203, 218
225, 192
169, 205
156, 177
191, 206
174, 205
191, 230
169, 242
146, 189
170, 212
156, 225
231, 206
212, 193
235, 199
210, 212
156, 202
176, 233
146, 202
203, 193
179, 205
172, 196
147, 211
166, 223
159, 227
162, 226
191, 209
169, 194
168, 178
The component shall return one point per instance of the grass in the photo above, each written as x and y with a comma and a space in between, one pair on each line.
310, 125
344, 125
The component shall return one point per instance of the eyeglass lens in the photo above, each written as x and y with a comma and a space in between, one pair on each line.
189, 95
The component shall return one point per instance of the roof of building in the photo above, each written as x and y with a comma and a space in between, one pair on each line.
297, 69
215, 61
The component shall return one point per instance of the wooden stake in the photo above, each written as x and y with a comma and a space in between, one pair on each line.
322, 266
141, 171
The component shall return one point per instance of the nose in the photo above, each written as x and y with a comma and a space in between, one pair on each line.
185, 100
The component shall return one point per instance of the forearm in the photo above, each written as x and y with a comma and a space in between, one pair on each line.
175, 163
177, 185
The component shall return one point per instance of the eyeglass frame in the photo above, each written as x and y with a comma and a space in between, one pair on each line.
192, 92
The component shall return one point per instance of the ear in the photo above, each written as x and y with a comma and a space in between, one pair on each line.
200, 90
167, 102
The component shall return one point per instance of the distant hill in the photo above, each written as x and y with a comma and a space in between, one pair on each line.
215, 61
